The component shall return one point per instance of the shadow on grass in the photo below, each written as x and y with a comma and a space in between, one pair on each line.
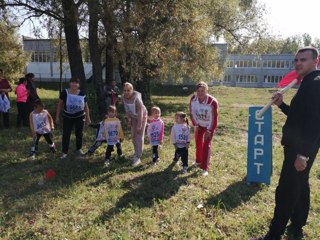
234, 195
21, 193
146, 190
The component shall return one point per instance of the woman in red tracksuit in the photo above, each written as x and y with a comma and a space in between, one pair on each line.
204, 116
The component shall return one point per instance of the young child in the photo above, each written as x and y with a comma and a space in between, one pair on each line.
109, 130
113, 134
41, 124
180, 137
155, 132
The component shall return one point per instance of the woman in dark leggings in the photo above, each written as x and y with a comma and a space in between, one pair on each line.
73, 101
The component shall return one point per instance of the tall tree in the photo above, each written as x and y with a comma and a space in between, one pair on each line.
12, 58
65, 11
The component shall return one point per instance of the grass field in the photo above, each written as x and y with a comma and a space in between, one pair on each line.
87, 201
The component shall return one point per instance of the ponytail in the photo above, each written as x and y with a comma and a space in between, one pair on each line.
183, 116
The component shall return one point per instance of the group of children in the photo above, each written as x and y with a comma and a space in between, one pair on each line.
110, 131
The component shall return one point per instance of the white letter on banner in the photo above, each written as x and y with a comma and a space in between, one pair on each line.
258, 167
259, 118
259, 125
259, 139
257, 152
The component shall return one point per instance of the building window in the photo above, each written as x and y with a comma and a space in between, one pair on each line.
227, 78
247, 78
272, 78
40, 57
230, 64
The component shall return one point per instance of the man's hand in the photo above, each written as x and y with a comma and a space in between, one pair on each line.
277, 98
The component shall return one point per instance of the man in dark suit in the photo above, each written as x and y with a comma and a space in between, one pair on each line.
301, 141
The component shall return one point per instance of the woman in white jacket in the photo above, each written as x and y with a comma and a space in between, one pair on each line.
137, 119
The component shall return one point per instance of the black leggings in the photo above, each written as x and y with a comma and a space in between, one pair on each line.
183, 153
22, 114
5, 116
68, 124
47, 136
110, 150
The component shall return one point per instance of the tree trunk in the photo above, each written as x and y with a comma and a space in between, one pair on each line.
109, 64
95, 54
143, 86
70, 12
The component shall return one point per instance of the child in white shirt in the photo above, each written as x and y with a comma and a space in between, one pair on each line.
41, 124
180, 137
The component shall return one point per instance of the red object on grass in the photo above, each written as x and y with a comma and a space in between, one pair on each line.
288, 78
50, 174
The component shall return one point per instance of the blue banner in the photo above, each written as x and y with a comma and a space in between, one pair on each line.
259, 162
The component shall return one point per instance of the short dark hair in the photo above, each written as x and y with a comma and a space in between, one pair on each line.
75, 79
29, 76
22, 80
38, 103
314, 51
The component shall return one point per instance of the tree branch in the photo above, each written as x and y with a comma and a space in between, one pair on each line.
47, 12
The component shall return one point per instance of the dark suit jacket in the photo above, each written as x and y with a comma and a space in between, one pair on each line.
302, 127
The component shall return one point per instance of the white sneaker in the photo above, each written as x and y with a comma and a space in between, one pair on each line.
106, 162
63, 156
195, 164
184, 170
204, 173
136, 162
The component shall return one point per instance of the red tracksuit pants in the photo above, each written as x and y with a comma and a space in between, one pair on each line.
203, 147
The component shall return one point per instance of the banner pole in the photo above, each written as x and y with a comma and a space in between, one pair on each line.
282, 91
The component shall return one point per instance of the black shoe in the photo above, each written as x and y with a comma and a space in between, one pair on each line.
296, 233
267, 237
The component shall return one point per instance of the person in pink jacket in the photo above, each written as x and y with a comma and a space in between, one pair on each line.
22, 95
204, 116
155, 132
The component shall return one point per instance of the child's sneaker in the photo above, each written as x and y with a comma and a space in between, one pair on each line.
32, 156
136, 161
63, 156
155, 160
107, 162
53, 149
184, 170
118, 157
204, 173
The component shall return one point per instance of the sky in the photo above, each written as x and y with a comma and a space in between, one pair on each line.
293, 17
284, 17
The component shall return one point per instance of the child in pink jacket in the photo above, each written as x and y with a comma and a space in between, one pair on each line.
155, 132
22, 95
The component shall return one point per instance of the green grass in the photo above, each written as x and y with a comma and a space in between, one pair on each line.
86, 201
